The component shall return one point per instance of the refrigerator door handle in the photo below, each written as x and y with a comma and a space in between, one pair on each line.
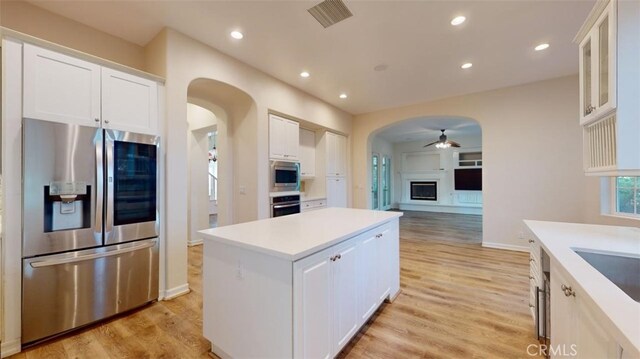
86, 257
99, 212
108, 228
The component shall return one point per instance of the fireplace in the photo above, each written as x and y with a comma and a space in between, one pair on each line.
424, 190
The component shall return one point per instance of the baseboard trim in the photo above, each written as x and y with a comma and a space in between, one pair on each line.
216, 352
509, 247
11, 347
393, 297
440, 208
195, 242
176, 291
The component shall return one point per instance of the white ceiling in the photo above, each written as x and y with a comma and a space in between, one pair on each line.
428, 129
414, 39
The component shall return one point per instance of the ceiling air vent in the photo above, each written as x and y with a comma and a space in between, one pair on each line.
330, 12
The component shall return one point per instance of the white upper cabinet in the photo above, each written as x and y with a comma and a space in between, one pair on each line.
60, 88
610, 88
598, 67
307, 153
284, 137
65, 89
336, 154
129, 103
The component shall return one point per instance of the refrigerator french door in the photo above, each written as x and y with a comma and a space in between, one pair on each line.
90, 225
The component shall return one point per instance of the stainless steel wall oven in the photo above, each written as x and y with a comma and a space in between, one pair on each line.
285, 176
285, 205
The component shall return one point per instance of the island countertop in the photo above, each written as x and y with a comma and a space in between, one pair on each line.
559, 241
296, 236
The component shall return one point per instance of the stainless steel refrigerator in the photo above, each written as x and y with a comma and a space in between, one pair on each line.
90, 225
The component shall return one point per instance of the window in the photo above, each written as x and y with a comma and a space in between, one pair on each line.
627, 196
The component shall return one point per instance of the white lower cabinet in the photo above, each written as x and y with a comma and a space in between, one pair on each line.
311, 303
576, 329
368, 300
336, 192
337, 290
345, 294
312, 205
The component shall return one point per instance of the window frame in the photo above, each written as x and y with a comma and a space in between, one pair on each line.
613, 199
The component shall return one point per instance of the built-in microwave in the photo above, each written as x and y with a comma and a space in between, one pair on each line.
285, 176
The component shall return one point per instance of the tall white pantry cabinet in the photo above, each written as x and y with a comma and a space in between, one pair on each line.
49, 83
336, 169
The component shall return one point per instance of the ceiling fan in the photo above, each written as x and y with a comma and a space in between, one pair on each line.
443, 143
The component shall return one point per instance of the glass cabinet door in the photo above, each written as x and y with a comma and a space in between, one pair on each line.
603, 62
587, 92
598, 67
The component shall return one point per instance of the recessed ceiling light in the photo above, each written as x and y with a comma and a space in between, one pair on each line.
343, 95
304, 74
237, 35
541, 47
467, 65
458, 20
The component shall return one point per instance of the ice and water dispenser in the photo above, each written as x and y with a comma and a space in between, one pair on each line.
67, 205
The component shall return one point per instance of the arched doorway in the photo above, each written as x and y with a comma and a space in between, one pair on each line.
413, 168
218, 109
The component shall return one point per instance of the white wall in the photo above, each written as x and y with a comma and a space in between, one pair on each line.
29, 19
532, 151
247, 95
469, 143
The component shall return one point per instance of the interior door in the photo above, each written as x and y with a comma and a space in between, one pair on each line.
132, 187
375, 181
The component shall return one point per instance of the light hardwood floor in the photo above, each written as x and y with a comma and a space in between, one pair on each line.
458, 300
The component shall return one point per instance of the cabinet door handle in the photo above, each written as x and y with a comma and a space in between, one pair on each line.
530, 259
530, 277
339, 256
568, 291
96, 119
531, 241
106, 121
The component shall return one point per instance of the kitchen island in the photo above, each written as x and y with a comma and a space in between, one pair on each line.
297, 286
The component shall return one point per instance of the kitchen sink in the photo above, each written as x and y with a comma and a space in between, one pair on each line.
622, 269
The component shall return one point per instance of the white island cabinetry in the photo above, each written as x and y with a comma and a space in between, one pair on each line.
295, 288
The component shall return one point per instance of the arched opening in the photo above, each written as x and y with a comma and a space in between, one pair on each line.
433, 176
218, 114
